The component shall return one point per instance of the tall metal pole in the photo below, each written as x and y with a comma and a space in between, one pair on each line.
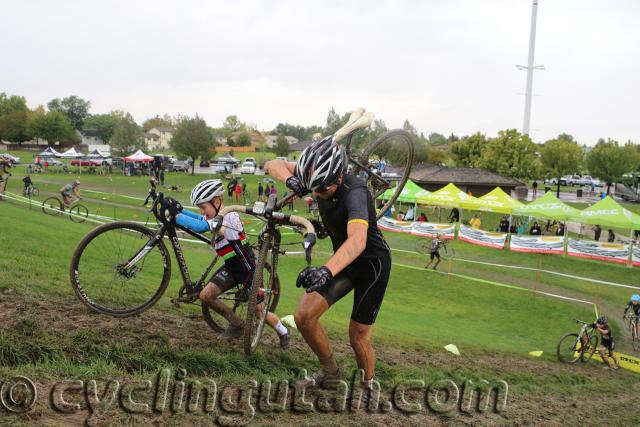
532, 48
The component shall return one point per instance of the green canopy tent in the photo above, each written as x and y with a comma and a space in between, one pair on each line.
448, 196
409, 193
494, 201
609, 213
548, 207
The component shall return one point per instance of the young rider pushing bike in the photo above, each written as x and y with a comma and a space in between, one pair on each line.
361, 260
230, 244
434, 249
634, 304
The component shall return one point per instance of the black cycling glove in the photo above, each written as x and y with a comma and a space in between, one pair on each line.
318, 226
172, 205
296, 186
314, 278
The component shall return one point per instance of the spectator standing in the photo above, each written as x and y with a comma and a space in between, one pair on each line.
475, 222
260, 191
274, 191
454, 215
535, 188
238, 191
535, 230
409, 215
612, 236
597, 231
423, 217
560, 230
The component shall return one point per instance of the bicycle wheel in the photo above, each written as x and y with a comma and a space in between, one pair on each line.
589, 348
100, 280
236, 299
52, 206
394, 148
635, 343
423, 246
447, 252
568, 349
265, 287
35, 191
78, 213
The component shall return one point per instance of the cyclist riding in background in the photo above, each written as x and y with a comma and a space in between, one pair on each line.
28, 184
606, 342
361, 260
66, 191
231, 244
634, 304
434, 249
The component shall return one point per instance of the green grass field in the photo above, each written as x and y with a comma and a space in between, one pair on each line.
47, 334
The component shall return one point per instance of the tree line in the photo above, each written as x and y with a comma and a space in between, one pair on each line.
509, 153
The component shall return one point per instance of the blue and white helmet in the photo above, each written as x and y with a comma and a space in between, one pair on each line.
206, 191
635, 298
321, 164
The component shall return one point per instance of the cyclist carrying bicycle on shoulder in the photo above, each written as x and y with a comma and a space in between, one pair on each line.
606, 342
434, 250
361, 260
230, 244
68, 189
634, 304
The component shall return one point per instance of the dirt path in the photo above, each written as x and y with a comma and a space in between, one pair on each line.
67, 316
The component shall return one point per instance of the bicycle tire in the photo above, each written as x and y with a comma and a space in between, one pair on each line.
52, 206
35, 191
573, 353
78, 213
96, 249
254, 324
635, 343
587, 353
447, 252
216, 321
374, 187
423, 246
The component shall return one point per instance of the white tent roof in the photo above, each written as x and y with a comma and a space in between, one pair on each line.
139, 156
71, 153
97, 154
49, 152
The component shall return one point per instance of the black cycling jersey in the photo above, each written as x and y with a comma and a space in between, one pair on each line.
352, 203
606, 339
635, 308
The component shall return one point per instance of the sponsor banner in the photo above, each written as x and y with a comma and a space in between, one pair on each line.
627, 362
427, 229
537, 244
481, 237
612, 252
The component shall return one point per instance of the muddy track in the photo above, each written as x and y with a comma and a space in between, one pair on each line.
67, 316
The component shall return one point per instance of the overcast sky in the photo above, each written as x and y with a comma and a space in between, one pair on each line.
447, 66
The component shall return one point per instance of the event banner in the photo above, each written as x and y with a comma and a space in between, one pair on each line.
612, 252
537, 244
481, 237
428, 229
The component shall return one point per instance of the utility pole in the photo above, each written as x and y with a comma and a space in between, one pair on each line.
530, 67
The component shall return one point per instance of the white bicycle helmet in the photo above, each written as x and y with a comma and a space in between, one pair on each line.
321, 164
206, 191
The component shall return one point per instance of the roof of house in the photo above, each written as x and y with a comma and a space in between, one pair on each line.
427, 173
299, 146
170, 130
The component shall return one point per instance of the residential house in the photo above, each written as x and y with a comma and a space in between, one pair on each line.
158, 138
271, 140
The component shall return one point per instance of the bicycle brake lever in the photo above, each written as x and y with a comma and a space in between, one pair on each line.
308, 243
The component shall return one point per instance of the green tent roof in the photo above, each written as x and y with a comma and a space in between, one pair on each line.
609, 213
409, 194
548, 206
448, 196
494, 201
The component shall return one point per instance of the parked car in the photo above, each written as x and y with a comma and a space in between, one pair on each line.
281, 158
204, 164
248, 167
221, 168
11, 159
179, 166
86, 162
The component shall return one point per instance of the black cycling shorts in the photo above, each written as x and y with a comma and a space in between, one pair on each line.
608, 344
225, 279
368, 278
435, 254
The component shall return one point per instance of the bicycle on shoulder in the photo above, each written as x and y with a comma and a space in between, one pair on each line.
384, 163
578, 346
123, 268
425, 247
